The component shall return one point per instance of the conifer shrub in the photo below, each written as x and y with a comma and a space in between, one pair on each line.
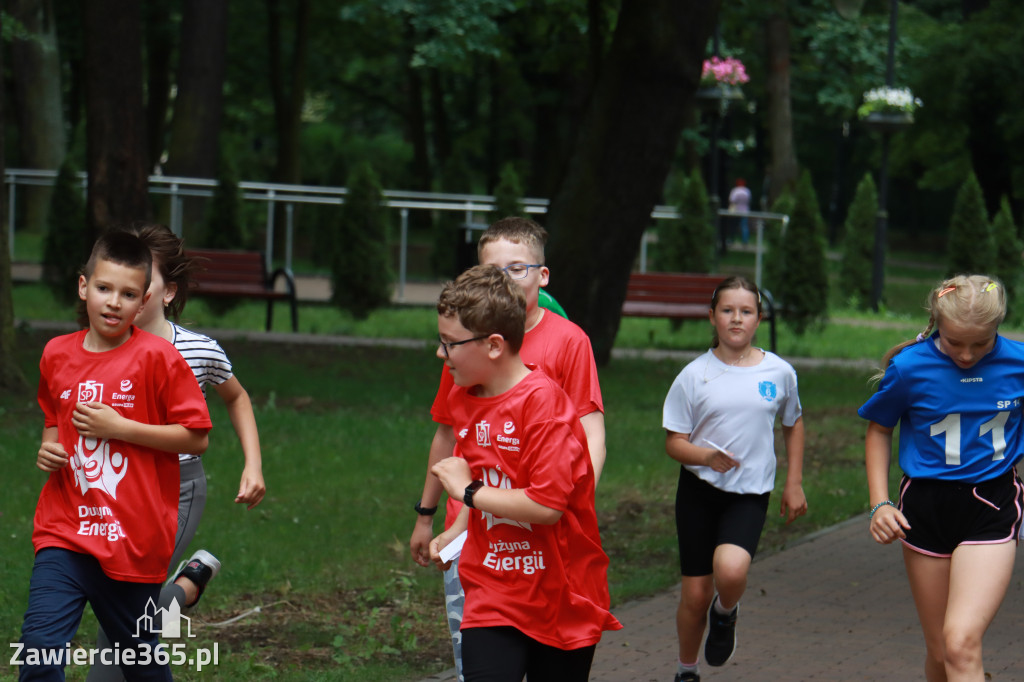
1008, 248
224, 225
67, 244
508, 194
858, 243
971, 247
360, 257
804, 279
687, 244
774, 256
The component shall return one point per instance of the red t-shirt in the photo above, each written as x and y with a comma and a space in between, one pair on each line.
548, 581
114, 500
562, 350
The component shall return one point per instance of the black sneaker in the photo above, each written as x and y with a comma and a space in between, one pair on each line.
200, 569
721, 640
687, 677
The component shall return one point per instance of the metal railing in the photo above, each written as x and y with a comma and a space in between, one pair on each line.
180, 188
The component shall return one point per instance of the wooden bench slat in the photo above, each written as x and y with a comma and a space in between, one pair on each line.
241, 274
680, 296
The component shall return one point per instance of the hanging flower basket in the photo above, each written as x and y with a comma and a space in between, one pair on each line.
887, 123
888, 110
719, 83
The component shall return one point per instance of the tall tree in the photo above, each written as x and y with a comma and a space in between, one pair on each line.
288, 81
199, 104
11, 378
622, 157
159, 52
117, 162
783, 169
35, 63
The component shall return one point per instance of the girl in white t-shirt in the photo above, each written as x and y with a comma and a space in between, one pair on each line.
719, 416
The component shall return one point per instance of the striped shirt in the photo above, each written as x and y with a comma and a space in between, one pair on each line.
208, 361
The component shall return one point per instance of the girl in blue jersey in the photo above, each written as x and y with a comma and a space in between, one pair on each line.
956, 394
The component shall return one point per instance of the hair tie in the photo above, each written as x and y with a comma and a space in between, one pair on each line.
921, 337
946, 291
990, 287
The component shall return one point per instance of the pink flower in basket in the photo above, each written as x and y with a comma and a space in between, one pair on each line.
718, 71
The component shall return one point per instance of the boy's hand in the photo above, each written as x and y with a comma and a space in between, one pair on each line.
96, 420
454, 474
51, 456
439, 543
251, 488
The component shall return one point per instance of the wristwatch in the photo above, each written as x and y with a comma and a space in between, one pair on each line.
424, 511
470, 490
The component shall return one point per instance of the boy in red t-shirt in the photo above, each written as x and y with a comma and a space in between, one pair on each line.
106, 518
553, 343
532, 566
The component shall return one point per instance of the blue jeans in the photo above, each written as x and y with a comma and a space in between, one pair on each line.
62, 582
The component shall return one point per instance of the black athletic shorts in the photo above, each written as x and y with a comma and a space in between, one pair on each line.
945, 514
707, 517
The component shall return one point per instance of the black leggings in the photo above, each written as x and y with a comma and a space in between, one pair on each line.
504, 654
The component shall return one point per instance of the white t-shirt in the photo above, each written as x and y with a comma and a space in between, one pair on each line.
734, 407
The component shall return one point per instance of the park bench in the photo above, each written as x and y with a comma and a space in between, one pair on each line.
222, 273
681, 296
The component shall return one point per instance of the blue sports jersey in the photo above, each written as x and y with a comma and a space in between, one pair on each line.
955, 424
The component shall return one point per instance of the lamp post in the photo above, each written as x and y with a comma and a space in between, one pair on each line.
882, 218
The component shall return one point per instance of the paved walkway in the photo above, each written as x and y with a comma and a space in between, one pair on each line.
834, 606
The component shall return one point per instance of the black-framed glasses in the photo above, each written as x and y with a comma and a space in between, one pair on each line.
451, 344
520, 270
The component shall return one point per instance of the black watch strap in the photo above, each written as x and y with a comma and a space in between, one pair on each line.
424, 511
470, 489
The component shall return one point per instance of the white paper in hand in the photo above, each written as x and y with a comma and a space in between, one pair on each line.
453, 548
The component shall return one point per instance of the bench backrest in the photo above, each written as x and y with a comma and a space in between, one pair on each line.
221, 266
672, 287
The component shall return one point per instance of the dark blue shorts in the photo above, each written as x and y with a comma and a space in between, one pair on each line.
946, 514
707, 517
61, 584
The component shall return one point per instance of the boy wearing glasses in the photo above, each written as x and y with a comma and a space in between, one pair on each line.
554, 344
532, 565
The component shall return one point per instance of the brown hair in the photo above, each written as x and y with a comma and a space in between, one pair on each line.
122, 248
734, 282
968, 299
169, 255
486, 301
518, 231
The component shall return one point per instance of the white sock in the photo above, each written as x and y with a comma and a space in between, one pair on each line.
688, 667
721, 610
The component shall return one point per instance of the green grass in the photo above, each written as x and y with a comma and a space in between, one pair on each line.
345, 432
326, 555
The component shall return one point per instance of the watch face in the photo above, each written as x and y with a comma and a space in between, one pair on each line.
467, 497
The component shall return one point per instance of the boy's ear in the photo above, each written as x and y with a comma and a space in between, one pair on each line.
545, 276
83, 287
495, 346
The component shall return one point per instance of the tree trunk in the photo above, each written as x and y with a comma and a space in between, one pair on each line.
115, 127
288, 99
35, 64
783, 170
622, 157
199, 104
416, 116
159, 47
11, 378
